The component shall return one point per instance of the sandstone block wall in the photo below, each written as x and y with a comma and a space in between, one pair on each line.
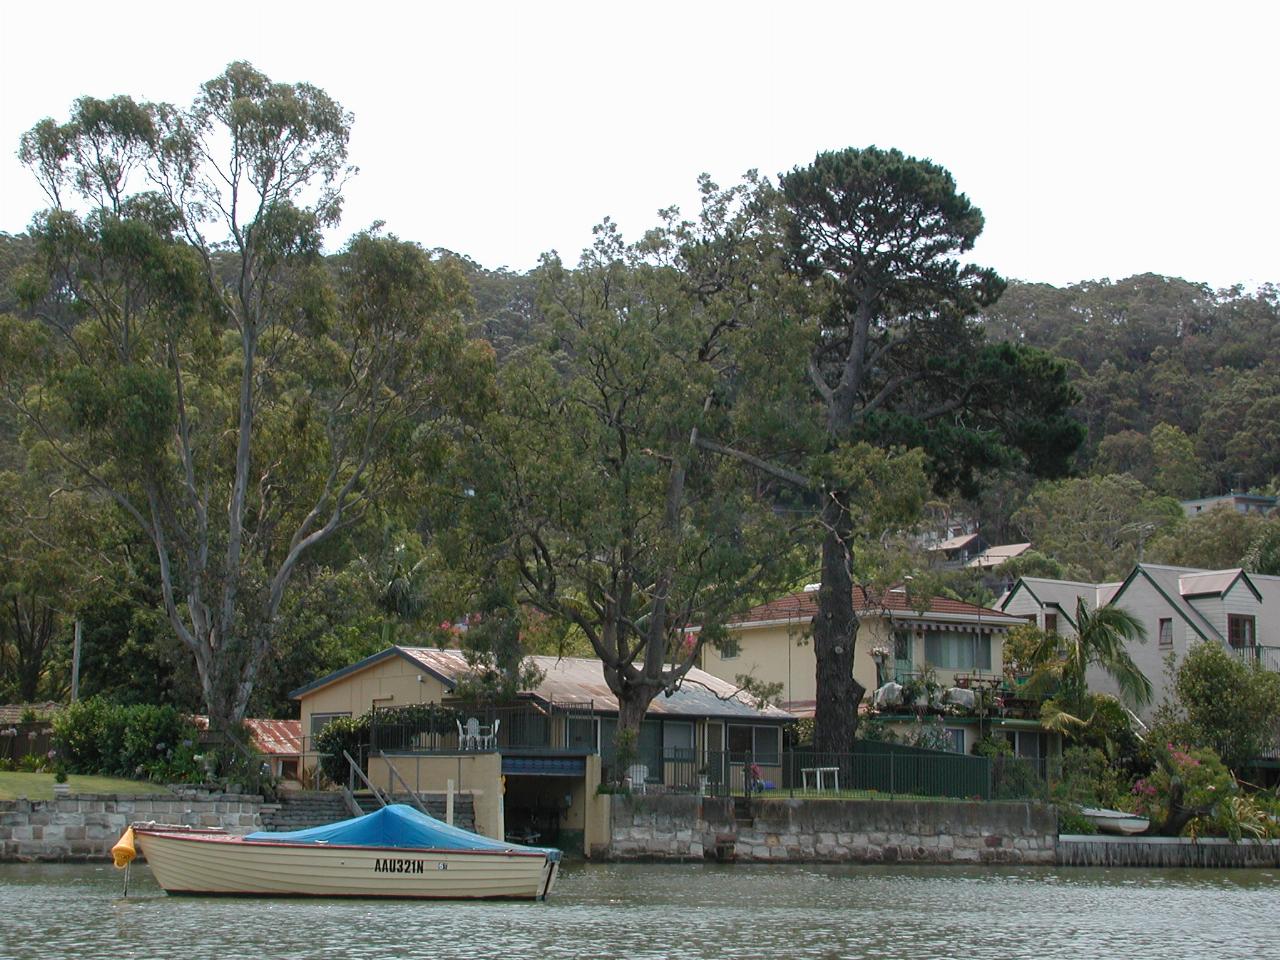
86, 826
834, 831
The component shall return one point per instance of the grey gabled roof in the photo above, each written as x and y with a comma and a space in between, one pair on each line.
1061, 594
1165, 580
1216, 583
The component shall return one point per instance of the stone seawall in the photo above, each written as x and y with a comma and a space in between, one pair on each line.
834, 831
1173, 852
86, 826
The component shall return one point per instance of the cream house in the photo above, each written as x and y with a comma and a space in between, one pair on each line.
900, 637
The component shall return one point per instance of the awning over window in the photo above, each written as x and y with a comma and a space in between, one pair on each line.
544, 766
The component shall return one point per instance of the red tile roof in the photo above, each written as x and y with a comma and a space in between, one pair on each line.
803, 606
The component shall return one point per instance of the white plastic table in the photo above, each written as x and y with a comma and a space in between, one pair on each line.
819, 775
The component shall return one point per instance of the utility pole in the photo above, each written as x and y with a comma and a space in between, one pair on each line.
75, 666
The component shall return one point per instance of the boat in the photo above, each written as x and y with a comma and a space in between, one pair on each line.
395, 852
1115, 821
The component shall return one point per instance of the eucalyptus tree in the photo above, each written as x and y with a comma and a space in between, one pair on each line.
600, 506
192, 356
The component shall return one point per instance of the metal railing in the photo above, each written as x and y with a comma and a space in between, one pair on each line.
1268, 658
878, 770
460, 728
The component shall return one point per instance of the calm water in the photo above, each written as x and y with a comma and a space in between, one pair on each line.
643, 911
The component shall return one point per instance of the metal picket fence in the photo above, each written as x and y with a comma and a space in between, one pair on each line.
883, 770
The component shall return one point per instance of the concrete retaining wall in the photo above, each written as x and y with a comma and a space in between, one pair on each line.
1101, 851
836, 831
86, 826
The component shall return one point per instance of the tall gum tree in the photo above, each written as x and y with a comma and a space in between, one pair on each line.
191, 355
592, 487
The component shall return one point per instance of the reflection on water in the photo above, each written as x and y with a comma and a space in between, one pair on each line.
677, 911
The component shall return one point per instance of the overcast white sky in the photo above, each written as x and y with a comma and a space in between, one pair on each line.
1098, 139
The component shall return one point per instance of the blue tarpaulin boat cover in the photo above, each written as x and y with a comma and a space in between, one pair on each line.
396, 825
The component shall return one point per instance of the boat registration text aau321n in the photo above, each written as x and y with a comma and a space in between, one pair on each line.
399, 865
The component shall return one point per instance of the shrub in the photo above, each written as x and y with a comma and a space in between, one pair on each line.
339, 734
1071, 820
1089, 778
928, 734
141, 741
1012, 778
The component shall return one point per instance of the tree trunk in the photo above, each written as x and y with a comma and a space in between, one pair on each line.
33, 635
633, 704
632, 707
835, 631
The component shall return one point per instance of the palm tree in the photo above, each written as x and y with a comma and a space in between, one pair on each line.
1101, 637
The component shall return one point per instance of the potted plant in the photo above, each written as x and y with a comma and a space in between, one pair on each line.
60, 786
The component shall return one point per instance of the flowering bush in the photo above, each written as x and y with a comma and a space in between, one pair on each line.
1205, 780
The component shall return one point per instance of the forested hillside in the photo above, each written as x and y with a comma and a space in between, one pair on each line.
1152, 352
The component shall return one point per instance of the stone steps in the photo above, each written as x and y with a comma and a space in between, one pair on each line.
463, 807
300, 811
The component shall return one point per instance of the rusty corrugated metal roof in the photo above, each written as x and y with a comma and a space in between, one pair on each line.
579, 679
271, 737
276, 737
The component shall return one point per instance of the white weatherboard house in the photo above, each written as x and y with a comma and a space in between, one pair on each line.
1178, 606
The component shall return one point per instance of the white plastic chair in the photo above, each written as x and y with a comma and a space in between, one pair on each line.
472, 734
638, 773
490, 740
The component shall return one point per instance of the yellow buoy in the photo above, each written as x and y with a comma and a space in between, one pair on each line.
124, 851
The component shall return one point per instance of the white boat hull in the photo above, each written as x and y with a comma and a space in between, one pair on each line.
219, 864
1116, 821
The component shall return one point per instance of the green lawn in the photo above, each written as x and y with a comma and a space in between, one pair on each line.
39, 786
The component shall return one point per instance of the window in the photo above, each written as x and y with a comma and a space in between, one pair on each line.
318, 720
730, 648
956, 734
677, 740
580, 733
1050, 623
1028, 745
765, 743
902, 646
957, 650
1240, 630
1166, 631
1031, 618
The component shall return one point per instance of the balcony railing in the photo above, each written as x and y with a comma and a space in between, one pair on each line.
459, 727
1266, 657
